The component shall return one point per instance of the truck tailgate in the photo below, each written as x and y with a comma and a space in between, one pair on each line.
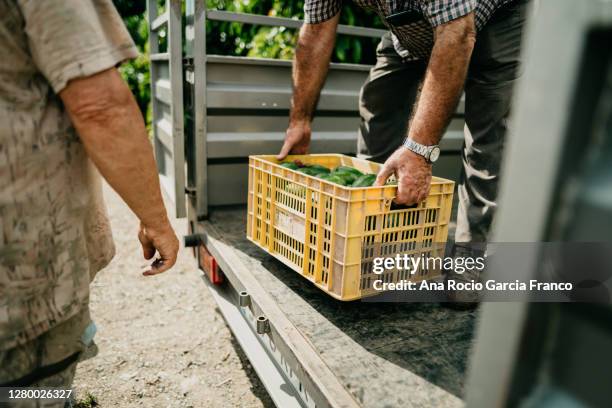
353, 354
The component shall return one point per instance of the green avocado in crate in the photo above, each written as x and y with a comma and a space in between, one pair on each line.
320, 215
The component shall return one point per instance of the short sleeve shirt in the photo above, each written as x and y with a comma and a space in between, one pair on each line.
412, 34
54, 232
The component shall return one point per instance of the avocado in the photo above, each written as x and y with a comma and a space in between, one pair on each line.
308, 170
319, 169
364, 181
347, 169
347, 176
290, 165
334, 179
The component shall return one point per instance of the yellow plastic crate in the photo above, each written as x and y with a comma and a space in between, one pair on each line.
330, 233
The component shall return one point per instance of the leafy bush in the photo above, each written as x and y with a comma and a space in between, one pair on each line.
136, 72
237, 39
229, 38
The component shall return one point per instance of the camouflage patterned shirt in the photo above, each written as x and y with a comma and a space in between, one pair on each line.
54, 233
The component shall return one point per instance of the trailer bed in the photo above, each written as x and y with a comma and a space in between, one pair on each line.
344, 354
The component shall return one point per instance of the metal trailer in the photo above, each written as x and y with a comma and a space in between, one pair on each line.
209, 113
309, 350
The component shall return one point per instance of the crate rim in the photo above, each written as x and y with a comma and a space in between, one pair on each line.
263, 157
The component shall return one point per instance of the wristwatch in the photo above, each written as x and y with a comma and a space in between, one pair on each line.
430, 153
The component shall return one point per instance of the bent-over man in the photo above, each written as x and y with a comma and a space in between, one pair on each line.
434, 50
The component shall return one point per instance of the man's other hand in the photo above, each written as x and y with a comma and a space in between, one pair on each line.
297, 140
164, 241
413, 175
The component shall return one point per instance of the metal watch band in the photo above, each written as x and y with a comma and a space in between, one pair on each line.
419, 149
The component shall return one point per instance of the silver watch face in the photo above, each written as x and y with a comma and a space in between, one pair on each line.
435, 154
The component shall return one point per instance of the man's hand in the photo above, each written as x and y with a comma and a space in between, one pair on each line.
312, 55
297, 140
446, 72
164, 241
413, 175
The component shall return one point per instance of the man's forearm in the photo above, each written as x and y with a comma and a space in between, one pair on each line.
444, 80
310, 65
112, 129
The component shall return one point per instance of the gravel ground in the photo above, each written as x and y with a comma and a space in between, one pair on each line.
162, 342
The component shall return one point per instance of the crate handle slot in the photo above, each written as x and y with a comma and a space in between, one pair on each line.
395, 206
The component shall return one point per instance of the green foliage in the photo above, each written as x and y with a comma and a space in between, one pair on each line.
228, 38
136, 72
272, 42
237, 39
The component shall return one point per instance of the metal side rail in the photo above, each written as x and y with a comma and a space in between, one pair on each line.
259, 324
265, 359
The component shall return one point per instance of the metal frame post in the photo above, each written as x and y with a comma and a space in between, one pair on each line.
199, 58
195, 36
154, 50
168, 135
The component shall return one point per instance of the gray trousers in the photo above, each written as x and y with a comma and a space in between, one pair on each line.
50, 348
389, 94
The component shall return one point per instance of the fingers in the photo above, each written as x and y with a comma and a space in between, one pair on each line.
423, 195
297, 140
148, 250
413, 175
285, 149
406, 196
409, 195
383, 175
290, 148
161, 265
299, 149
165, 242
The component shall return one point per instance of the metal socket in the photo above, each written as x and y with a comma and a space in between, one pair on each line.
263, 326
244, 300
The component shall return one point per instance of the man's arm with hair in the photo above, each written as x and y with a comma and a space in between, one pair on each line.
444, 80
310, 65
442, 87
112, 129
